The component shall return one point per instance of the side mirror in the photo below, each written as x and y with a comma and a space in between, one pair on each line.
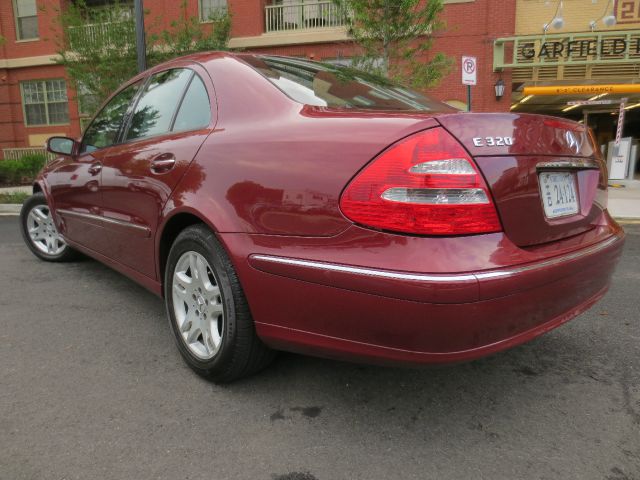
61, 145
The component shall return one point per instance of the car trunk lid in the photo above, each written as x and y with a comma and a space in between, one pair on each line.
532, 160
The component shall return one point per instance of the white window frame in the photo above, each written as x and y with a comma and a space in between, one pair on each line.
223, 6
16, 19
46, 103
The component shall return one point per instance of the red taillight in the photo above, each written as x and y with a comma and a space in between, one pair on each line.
425, 184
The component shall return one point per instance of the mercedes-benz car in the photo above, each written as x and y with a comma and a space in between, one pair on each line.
282, 204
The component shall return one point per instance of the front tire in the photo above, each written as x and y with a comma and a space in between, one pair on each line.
208, 312
40, 233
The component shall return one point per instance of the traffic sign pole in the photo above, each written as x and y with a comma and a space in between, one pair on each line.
469, 76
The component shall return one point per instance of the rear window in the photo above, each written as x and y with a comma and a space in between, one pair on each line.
328, 85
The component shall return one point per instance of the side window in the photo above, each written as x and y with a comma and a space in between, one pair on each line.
195, 111
157, 104
103, 131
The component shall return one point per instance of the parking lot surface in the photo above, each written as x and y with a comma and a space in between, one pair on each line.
92, 387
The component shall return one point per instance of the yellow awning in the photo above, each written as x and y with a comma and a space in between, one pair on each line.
582, 89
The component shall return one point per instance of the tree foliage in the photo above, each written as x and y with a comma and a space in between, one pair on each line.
395, 37
186, 35
98, 46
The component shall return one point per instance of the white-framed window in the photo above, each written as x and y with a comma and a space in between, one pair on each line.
45, 102
88, 102
211, 8
26, 15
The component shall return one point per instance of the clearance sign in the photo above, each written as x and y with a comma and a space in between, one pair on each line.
582, 89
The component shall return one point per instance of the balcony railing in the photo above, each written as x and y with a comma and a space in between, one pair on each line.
18, 153
107, 33
303, 16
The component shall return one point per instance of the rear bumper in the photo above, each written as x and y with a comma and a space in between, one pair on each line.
437, 288
383, 316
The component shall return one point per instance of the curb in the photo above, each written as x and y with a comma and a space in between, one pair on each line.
10, 209
627, 220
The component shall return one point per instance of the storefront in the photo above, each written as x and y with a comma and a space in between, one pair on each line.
579, 59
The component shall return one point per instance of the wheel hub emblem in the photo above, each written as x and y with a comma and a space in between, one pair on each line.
200, 301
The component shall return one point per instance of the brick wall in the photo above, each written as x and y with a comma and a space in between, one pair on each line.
7, 133
47, 29
471, 28
577, 14
13, 131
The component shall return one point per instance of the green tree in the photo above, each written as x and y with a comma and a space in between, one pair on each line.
98, 46
187, 35
395, 37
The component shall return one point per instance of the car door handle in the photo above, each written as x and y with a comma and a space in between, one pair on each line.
163, 163
95, 168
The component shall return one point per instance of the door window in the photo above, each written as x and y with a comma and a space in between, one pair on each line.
195, 110
103, 131
157, 105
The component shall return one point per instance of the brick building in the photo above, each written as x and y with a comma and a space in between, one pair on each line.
579, 59
36, 100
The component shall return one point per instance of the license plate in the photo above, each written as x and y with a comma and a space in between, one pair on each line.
559, 194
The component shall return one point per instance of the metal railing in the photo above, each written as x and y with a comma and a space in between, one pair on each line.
18, 153
302, 16
100, 33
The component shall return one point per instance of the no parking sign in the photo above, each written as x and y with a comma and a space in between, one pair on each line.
469, 71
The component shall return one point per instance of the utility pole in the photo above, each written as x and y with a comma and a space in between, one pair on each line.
141, 45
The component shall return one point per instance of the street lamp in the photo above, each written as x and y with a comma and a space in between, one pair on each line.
499, 88
608, 20
557, 22
141, 44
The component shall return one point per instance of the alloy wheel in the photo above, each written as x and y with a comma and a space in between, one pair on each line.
42, 231
197, 305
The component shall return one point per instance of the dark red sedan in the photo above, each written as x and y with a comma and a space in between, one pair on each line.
278, 203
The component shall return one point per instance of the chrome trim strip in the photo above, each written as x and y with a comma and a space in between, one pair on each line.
568, 165
436, 277
364, 271
112, 221
552, 261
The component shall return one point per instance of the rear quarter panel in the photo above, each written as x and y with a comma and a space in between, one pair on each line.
275, 166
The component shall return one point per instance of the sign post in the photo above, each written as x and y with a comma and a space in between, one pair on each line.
469, 76
623, 103
141, 45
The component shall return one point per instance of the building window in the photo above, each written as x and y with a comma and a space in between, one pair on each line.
210, 9
88, 104
45, 102
26, 14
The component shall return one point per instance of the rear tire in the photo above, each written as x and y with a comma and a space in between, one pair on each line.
40, 233
208, 312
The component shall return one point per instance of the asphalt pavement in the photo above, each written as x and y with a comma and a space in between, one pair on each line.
92, 387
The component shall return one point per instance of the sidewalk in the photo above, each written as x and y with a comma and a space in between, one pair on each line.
624, 199
10, 209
